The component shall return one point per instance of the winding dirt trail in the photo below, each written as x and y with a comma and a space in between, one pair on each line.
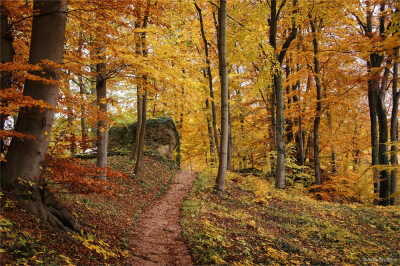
156, 240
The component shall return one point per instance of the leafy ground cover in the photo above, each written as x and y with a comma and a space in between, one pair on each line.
106, 220
254, 223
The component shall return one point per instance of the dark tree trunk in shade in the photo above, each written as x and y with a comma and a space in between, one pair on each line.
7, 55
394, 131
47, 42
317, 119
101, 93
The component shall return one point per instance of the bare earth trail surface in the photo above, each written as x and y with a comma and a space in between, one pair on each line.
157, 240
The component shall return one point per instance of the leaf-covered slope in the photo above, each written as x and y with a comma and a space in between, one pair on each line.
253, 223
106, 220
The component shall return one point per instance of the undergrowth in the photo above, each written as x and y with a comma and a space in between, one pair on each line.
106, 219
252, 223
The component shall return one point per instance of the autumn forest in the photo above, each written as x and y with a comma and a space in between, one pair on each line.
230, 120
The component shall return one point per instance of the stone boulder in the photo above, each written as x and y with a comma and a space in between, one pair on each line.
161, 137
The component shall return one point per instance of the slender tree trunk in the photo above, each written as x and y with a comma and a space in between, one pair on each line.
101, 92
142, 49
289, 121
229, 159
7, 55
209, 76
83, 117
333, 151
142, 133
317, 119
84, 130
138, 124
222, 166
47, 42
210, 135
394, 133
154, 105
70, 123
280, 133
278, 89
300, 139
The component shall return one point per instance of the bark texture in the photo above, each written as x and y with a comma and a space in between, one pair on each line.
394, 130
278, 90
24, 158
317, 119
102, 132
7, 55
223, 72
142, 92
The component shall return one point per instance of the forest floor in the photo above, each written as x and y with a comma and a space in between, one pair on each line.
253, 223
108, 221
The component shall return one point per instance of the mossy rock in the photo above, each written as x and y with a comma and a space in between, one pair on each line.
161, 137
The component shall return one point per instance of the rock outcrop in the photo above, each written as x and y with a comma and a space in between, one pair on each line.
161, 137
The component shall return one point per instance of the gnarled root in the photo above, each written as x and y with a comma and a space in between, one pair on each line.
42, 203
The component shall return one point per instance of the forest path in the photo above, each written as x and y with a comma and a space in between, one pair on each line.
157, 237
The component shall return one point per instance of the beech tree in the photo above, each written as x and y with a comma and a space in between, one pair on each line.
223, 73
22, 171
278, 88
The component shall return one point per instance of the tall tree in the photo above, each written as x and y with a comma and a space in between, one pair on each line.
278, 87
318, 110
23, 179
142, 92
209, 76
394, 128
102, 132
223, 73
377, 88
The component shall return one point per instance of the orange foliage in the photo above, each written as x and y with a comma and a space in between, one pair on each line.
80, 176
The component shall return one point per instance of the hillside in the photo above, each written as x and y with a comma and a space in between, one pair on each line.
252, 223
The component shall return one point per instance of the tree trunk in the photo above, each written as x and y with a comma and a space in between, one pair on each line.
84, 131
333, 151
209, 75
317, 119
101, 92
394, 133
384, 191
7, 55
138, 124
142, 134
300, 141
47, 42
142, 49
210, 135
278, 89
229, 156
372, 86
280, 133
223, 71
